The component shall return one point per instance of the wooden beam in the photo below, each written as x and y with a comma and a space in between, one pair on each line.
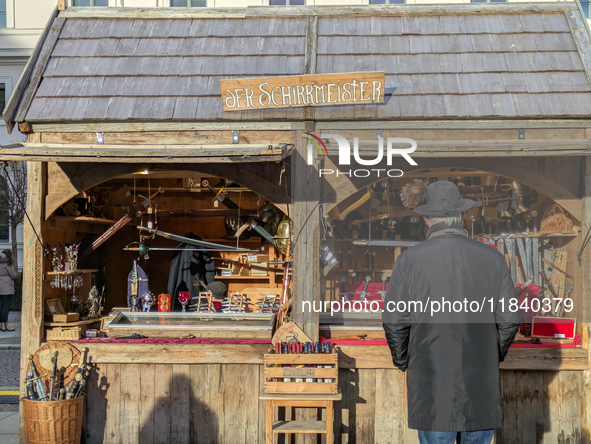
454, 124
350, 356
120, 353
459, 124
322, 11
144, 153
305, 214
117, 127
579, 30
41, 62
585, 284
220, 137
32, 284
534, 173
15, 98
486, 148
69, 179
539, 359
310, 57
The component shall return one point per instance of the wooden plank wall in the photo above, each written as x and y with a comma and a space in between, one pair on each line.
218, 404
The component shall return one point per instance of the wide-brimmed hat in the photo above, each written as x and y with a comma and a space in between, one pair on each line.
444, 200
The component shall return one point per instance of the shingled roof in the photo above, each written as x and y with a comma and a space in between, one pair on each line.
449, 61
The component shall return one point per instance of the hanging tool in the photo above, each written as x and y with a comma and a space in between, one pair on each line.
546, 261
254, 224
551, 289
120, 223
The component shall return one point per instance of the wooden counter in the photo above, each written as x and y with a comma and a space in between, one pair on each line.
350, 356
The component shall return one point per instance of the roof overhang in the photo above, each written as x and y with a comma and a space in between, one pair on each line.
44, 152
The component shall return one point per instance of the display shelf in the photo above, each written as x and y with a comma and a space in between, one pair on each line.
92, 220
539, 235
241, 277
72, 324
55, 273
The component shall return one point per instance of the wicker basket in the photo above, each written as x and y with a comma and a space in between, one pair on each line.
53, 422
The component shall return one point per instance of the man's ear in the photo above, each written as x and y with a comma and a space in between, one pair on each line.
427, 221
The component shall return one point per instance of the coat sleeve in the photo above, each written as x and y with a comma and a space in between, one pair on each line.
11, 271
507, 321
397, 324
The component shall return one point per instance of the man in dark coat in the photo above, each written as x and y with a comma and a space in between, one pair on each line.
187, 270
451, 352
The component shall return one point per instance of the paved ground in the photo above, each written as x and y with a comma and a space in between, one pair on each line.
9, 378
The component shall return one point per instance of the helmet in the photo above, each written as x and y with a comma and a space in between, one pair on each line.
283, 237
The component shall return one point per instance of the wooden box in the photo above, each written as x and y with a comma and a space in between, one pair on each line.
66, 317
552, 330
63, 334
279, 367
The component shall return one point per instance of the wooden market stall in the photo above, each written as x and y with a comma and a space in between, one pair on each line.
492, 94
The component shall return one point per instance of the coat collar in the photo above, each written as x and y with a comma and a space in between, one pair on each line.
440, 229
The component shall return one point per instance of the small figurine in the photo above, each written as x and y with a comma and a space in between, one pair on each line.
74, 302
148, 300
56, 259
133, 303
71, 256
93, 303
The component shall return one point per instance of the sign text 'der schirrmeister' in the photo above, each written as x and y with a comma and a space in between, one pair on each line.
356, 88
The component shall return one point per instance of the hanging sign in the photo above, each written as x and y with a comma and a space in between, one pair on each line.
352, 88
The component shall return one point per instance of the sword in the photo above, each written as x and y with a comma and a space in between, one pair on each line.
74, 386
53, 376
120, 223
364, 292
187, 240
383, 292
30, 384
133, 297
39, 385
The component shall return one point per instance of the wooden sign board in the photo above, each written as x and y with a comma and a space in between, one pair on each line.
352, 88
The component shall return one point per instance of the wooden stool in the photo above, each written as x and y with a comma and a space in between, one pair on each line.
298, 400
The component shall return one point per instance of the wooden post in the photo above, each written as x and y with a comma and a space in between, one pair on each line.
305, 214
586, 297
32, 285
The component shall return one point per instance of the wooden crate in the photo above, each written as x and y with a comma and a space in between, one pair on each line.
66, 317
63, 334
278, 366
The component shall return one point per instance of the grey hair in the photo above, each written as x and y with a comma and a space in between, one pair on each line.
447, 221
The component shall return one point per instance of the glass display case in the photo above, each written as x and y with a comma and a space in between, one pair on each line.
198, 325
351, 325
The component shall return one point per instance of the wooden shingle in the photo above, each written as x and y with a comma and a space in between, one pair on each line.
523, 63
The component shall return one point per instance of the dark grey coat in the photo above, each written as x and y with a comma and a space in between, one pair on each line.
452, 360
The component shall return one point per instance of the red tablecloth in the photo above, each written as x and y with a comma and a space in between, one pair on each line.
575, 343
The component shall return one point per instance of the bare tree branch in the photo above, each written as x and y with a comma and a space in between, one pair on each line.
13, 198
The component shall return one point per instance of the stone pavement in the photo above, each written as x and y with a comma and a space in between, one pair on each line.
9, 378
